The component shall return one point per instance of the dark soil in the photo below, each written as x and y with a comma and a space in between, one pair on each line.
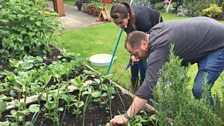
52, 56
95, 115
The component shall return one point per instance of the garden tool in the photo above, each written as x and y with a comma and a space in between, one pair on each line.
128, 65
115, 49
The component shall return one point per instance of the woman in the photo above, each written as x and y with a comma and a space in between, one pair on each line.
133, 18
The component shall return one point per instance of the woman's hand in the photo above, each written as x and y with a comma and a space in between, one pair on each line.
134, 59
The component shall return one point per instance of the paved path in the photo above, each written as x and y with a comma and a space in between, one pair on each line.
75, 19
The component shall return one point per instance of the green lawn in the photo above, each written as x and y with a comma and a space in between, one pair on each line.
102, 39
69, 2
99, 39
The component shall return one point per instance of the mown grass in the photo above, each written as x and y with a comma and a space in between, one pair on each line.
96, 40
102, 39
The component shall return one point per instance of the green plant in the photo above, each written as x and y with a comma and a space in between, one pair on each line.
139, 120
174, 102
52, 107
21, 83
105, 93
87, 1
182, 11
79, 83
2, 106
27, 28
195, 7
26, 63
159, 6
88, 100
218, 2
219, 102
30, 78
146, 3
18, 116
92, 5
212, 11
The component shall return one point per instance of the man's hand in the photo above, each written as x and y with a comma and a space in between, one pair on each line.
135, 107
134, 59
118, 120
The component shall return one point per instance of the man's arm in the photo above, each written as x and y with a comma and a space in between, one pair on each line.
136, 106
155, 63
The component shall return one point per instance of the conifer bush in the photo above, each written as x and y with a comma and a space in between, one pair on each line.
174, 101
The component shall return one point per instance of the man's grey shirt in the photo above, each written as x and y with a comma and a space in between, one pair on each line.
193, 39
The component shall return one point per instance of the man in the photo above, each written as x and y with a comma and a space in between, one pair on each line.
196, 40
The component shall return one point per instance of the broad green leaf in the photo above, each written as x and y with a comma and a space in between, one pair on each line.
14, 124
29, 123
6, 123
50, 105
3, 97
34, 108
2, 106
85, 93
96, 94
97, 81
60, 109
46, 78
79, 104
26, 66
38, 23
4, 20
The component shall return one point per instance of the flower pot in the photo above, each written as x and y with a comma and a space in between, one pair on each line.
79, 8
85, 7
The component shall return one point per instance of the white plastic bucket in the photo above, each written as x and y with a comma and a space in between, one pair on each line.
101, 59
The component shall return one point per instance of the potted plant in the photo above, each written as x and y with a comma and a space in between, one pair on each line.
78, 3
92, 8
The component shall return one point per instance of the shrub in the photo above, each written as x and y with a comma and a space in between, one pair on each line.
195, 7
159, 6
182, 11
26, 27
174, 100
219, 101
155, 1
86, 1
145, 3
212, 11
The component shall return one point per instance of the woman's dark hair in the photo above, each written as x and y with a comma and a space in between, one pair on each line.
121, 10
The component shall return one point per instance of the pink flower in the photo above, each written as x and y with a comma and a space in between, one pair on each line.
166, 1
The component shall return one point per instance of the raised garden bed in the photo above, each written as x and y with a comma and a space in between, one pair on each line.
60, 90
